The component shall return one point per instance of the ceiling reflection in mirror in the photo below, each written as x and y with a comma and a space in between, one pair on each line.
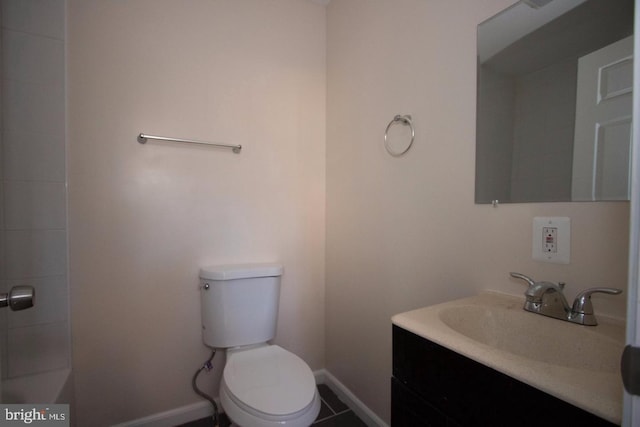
554, 102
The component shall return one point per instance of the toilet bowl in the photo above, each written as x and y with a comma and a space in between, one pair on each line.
268, 386
263, 385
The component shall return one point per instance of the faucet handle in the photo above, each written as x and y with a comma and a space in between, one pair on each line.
531, 293
527, 279
582, 304
583, 307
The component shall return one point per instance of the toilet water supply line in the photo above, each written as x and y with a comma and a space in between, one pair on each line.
208, 366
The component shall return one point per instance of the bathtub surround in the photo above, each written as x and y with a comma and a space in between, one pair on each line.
401, 233
53, 386
33, 189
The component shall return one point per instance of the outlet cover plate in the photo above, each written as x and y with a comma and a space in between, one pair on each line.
562, 255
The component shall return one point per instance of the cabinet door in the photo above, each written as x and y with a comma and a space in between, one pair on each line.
410, 410
437, 380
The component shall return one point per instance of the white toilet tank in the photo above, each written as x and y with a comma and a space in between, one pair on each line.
239, 303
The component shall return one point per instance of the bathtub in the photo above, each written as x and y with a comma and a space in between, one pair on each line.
48, 387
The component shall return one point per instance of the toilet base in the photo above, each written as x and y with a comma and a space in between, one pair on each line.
241, 417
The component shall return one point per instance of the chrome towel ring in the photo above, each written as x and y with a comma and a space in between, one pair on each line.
405, 120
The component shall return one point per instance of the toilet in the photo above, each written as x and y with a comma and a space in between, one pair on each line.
263, 385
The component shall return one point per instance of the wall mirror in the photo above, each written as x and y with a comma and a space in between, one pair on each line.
554, 102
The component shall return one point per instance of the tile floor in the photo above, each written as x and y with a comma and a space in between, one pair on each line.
333, 413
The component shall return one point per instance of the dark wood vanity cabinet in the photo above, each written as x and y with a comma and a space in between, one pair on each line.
434, 386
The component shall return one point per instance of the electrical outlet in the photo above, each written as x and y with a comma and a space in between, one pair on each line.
552, 239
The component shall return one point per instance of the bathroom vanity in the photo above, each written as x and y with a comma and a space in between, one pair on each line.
485, 361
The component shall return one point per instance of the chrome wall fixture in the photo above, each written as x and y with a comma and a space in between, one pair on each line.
405, 120
18, 298
143, 137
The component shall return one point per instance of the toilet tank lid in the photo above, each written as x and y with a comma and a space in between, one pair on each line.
241, 271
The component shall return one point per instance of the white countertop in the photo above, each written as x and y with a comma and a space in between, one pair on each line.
571, 379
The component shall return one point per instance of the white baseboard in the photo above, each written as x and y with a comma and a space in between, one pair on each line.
174, 417
203, 409
348, 398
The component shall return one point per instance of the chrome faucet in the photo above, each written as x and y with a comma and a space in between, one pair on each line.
548, 299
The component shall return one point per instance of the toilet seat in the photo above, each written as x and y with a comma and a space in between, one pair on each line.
268, 385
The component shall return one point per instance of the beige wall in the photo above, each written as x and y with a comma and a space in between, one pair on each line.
404, 232
144, 218
401, 232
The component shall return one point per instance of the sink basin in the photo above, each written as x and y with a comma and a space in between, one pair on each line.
578, 364
519, 332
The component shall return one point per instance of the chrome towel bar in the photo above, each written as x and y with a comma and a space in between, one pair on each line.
143, 137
